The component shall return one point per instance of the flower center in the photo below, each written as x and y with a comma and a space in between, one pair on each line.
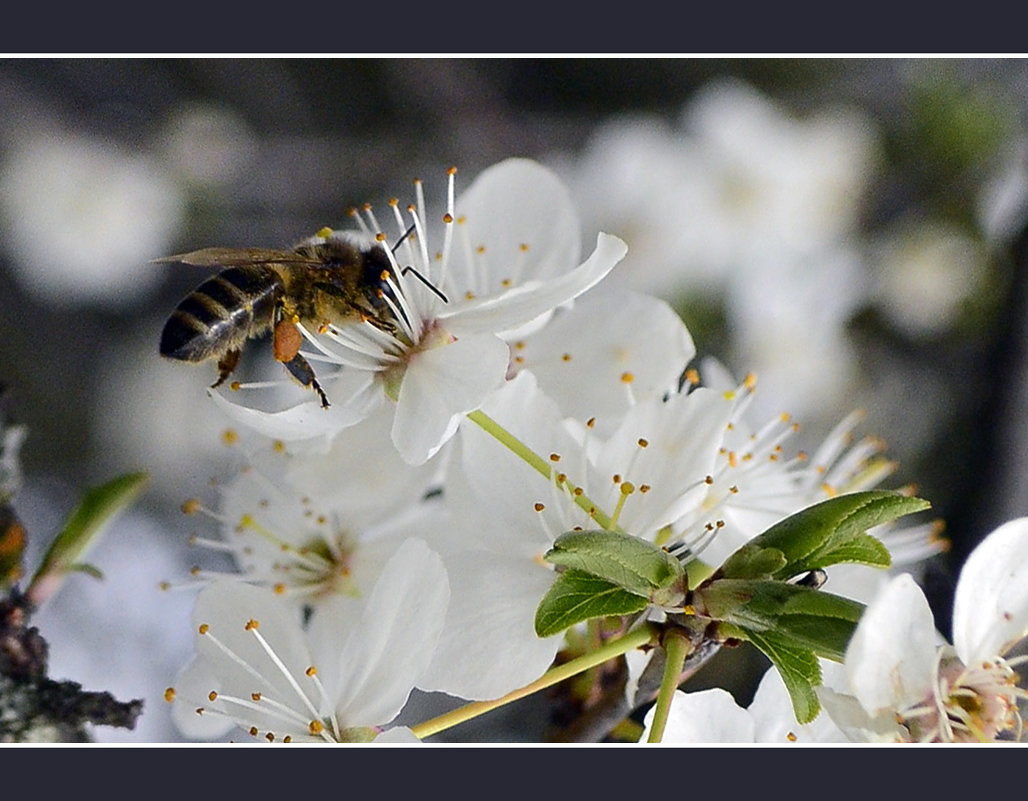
971, 704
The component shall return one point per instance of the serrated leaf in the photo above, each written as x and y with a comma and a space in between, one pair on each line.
629, 562
576, 596
828, 533
87, 521
798, 668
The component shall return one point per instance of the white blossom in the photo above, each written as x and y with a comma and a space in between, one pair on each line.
509, 256
342, 679
904, 683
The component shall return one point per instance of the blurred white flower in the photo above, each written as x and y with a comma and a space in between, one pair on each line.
207, 145
145, 414
750, 208
81, 218
702, 204
926, 275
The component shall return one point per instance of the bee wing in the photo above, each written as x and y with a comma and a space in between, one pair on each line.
236, 257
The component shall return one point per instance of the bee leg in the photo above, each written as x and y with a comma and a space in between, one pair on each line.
286, 342
300, 369
226, 364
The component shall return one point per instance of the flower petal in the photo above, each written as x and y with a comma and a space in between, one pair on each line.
489, 645
708, 716
637, 348
890, 662
440, 385
990, 607
511, 205
396, 638
304, 421
525, 302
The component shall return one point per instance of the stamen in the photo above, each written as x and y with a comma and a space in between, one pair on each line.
283, 670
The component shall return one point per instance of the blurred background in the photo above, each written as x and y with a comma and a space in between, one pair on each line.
851, 230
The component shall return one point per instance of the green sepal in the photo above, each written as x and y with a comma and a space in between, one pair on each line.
804, 618
576, 596
87, 521
831, 532
634, 564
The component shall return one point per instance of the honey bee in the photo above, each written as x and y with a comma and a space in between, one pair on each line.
257, 290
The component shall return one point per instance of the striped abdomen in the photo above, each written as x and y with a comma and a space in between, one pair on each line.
222, 313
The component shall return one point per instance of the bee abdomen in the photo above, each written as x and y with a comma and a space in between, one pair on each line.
222, 313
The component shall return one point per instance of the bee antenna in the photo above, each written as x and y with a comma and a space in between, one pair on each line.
425, 281
402, 238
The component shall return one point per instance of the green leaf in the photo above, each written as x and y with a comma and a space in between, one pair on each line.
754, 562
87, 521
626, 561
804, 618
827, 533
799, 669
576, 596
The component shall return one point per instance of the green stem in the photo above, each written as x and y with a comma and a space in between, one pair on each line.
634, 639
676, 649
537, 463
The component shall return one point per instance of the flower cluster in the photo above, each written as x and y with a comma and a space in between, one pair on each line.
403, 537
